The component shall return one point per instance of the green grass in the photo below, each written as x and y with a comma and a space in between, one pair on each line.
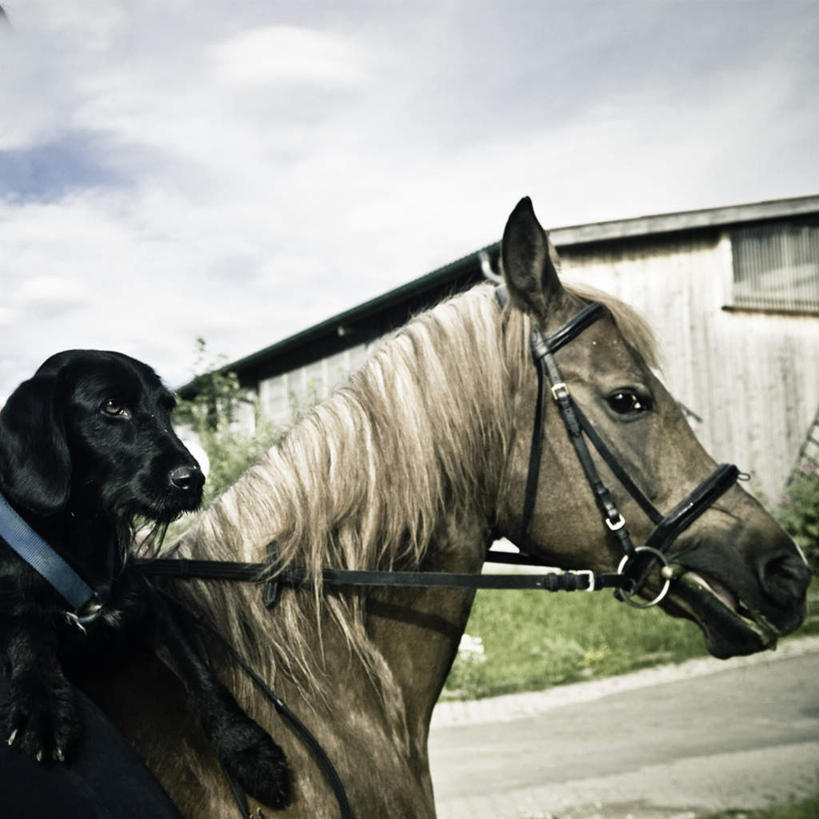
534, 640
803, 809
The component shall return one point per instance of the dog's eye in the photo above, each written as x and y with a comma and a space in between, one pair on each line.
628, 402
111, 407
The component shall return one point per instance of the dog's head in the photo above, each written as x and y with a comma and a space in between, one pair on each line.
92, 431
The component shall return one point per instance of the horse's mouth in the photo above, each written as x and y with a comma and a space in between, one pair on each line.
731, 626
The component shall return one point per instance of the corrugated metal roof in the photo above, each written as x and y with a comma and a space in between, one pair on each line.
684, 221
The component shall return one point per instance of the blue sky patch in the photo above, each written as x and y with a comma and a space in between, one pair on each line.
76, 161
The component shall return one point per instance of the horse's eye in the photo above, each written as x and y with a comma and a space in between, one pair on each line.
114, 408
628, 402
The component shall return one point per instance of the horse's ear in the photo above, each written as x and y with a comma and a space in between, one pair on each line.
35, 466
530, 261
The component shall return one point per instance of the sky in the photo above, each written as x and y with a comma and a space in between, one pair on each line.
241, 170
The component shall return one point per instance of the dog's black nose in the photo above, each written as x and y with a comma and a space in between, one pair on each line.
187, 478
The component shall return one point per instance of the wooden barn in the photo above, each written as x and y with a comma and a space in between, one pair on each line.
732, 294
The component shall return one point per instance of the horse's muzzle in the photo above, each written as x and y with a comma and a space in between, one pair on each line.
745, 591
784, 578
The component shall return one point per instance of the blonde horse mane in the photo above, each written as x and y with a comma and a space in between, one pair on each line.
364, 479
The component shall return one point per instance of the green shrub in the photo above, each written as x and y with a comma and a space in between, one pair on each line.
532, 640
214, 413
792, 809
798, 513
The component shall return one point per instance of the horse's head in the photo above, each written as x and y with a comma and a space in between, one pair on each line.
731, 568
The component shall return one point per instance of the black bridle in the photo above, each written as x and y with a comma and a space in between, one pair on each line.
578, 427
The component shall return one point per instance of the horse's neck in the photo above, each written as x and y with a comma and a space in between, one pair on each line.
418, 631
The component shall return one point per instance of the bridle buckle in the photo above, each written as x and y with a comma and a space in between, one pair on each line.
590, 575
560, 391
616, 524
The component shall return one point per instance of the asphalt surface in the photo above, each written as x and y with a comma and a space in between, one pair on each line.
677, 741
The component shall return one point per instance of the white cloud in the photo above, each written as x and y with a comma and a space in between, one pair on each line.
287, 54
271, 168
41, 289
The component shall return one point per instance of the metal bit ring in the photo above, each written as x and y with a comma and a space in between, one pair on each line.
627, 596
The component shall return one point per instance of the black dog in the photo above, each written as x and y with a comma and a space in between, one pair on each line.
86, 450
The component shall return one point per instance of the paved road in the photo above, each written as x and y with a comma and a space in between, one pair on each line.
673, 742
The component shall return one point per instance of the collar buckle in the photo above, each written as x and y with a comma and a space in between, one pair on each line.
91, 611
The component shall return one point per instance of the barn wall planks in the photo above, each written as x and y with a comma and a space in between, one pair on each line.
752, 377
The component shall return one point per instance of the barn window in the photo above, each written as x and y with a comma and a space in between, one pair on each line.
776, 267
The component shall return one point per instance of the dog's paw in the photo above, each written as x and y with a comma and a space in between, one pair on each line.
255, 761
41, 720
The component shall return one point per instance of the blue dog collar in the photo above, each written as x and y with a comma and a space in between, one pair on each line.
48, 564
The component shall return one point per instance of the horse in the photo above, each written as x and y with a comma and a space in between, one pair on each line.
419, 462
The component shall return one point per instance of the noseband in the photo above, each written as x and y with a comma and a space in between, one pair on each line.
667, 527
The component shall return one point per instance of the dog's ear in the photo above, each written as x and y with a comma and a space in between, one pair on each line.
35, 466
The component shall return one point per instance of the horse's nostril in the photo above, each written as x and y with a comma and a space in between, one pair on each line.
186, 478
784, 578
